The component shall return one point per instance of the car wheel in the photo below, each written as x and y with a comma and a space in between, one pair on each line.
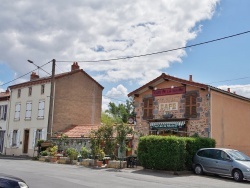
198, 170
237, 175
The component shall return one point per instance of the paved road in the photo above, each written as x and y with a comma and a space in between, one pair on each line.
40, 174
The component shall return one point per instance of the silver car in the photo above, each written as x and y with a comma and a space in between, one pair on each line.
222, 161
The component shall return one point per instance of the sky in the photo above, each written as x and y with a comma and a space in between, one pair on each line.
92, 30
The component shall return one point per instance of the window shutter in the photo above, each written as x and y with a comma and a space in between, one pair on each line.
34, 139
18, 138
43, 134
11, 136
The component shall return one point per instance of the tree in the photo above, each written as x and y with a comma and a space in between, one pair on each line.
122, 112
122, 130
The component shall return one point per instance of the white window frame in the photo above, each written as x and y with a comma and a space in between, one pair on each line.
17, 111
14, 138
28, 112
41, 109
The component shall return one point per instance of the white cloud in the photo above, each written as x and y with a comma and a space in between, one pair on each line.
119, 92
243, 90
95, 29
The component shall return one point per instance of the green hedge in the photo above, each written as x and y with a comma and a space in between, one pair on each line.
170, 152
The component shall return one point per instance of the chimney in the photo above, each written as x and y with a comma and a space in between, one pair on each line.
75, 66
234, 92
228, 89
33, 76
190, 78
7, 91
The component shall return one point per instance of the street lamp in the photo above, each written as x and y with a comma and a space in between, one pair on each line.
51, 101
38, 66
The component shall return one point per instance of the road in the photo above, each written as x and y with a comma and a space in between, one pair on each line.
41, 174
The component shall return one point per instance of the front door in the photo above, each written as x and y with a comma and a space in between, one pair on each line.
26, 141
1, 140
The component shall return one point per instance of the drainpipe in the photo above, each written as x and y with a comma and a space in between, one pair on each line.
209, 111
8, 124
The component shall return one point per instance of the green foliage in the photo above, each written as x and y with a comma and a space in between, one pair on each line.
122, 112
44, 153
169, 152
100, 154
53, 150
122, 130
72, 153
84, 152
39, 142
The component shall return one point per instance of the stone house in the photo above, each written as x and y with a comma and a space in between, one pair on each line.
169, 105
77, 101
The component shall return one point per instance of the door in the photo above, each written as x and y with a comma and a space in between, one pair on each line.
26, 141
224, 165
1, 140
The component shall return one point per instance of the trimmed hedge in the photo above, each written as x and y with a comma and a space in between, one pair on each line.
170, 152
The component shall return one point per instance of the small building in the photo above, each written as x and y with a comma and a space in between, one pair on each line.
169, 105
77, 101
4, 103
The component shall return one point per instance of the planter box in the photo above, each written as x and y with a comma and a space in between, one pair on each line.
42, 158
64, 160
87, 162
53, 159
117, 164
99, 163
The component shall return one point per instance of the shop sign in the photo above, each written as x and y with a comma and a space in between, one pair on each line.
168, 125
168, 106
169, 91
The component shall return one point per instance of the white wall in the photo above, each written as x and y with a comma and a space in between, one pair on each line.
32, 124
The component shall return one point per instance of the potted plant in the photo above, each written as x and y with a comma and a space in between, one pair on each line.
53, 152
72, 153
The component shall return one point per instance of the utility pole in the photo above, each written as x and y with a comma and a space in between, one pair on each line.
51, 101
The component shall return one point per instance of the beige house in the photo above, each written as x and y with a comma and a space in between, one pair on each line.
169, 105
77, 101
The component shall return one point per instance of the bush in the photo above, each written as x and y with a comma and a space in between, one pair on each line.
170, 152
53, 150
72, 153
84, 152
44, 153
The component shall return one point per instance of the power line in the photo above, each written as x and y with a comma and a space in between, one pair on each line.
24, 74
165, 51
229, 80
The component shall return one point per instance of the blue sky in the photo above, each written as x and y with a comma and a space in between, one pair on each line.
93, 30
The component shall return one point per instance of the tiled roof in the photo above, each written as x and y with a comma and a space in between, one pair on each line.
4, 95
48, 78
164, 76
77, 131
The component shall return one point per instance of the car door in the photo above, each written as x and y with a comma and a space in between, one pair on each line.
223, 162
207, 161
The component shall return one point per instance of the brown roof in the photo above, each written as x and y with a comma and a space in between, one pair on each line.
164, 76
47, 79
4, 95
77, 131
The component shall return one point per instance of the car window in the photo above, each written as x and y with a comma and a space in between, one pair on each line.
208, 153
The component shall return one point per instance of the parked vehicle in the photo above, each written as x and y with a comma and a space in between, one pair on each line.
222, 161
8, 181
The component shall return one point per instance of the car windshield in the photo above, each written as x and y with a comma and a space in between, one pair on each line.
237, 155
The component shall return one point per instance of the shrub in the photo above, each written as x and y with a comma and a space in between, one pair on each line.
53, 150
170, 152
44, 153
72, 153
84, 152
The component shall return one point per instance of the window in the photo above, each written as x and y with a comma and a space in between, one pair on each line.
28, 110
17, 111
30, 91
42, 89
18, 93
3, 112
148, 108
14, 138
38, 134
41, 110
191, 105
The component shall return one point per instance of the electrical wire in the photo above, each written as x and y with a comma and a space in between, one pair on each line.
164, 51
25, 74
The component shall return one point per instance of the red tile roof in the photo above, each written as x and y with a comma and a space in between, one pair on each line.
77, 131
4, 95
